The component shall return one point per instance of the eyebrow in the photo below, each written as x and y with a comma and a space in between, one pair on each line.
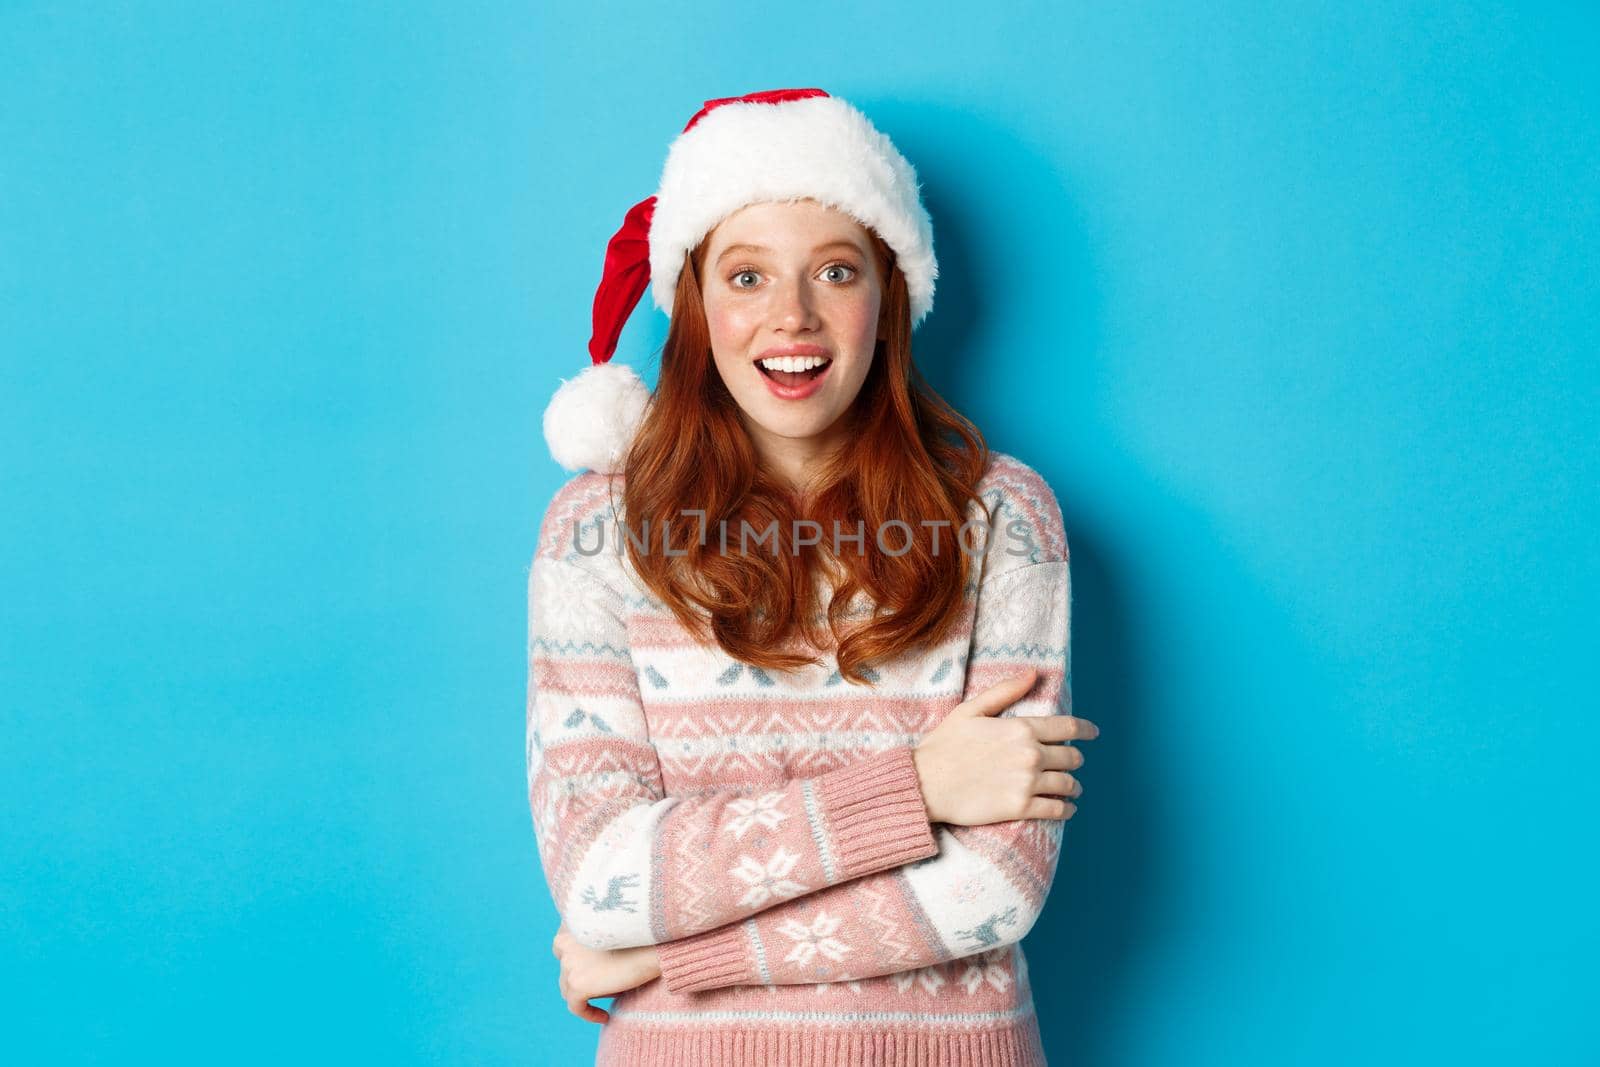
731, 249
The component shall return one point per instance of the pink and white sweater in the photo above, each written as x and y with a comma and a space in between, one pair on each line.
767, 831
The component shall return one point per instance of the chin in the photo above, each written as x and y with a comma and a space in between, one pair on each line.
790, 430
795, 429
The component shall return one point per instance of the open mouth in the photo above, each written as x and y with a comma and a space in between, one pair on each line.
792, 379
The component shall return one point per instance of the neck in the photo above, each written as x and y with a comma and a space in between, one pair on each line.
795, 460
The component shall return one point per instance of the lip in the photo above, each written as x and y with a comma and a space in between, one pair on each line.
795, 392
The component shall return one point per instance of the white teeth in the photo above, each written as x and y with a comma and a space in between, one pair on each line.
792, 363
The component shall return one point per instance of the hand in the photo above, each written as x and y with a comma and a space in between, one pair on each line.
590, 972
976, 768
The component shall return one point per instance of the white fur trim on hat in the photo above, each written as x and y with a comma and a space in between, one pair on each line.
590, 421
819, 147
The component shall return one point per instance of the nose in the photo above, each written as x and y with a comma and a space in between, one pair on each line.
795, 306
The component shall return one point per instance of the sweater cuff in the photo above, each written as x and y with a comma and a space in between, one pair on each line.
875, 815
710, 960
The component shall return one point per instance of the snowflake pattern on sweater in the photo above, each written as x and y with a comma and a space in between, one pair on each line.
766, 830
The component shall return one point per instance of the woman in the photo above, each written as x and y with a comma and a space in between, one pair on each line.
798, 649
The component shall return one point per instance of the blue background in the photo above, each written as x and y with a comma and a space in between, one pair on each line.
1294, 305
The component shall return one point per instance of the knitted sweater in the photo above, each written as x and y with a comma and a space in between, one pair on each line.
767, 830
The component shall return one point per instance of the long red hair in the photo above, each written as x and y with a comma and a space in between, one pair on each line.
912, 457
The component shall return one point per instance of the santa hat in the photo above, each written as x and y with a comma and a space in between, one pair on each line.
776, 145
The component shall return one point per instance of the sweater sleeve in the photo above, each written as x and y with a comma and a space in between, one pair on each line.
982, 891
629, 865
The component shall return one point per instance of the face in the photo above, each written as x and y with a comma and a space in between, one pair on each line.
794, 280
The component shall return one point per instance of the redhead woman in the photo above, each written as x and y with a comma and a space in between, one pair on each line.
800, 743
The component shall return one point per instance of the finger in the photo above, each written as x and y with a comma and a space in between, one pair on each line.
1049, 728
1001, 695
555, 947
584, 1010
1049, 808
1062, 757
1057, 784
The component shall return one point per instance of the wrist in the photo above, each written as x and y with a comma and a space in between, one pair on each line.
919, 762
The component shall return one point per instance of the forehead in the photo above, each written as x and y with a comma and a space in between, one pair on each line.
783, 224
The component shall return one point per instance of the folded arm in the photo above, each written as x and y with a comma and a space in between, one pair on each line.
628, 865
982, 891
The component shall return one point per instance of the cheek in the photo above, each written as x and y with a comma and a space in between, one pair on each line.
857, 330
858, 319
728, 318
729, 329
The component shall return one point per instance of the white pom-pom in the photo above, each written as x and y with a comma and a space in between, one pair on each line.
590, 421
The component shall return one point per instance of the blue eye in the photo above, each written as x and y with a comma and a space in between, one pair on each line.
733, 279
